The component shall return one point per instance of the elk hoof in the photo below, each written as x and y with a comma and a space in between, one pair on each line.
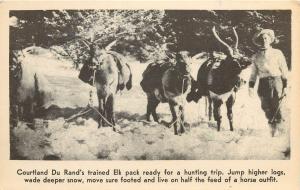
193, 96
189, 97
182, 131
121, 86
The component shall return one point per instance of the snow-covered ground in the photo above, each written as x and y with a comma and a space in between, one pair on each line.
82, 140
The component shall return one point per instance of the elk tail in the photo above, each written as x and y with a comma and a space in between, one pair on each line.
129, 82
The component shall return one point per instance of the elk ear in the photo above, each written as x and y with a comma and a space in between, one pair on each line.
110, 45
199, 55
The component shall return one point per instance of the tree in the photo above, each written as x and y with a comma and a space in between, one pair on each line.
134, 30
147, 34
193, 28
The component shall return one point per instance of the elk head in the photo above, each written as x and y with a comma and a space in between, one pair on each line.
98, 54
233, 54
183, 62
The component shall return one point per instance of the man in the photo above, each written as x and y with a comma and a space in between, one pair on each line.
269, 65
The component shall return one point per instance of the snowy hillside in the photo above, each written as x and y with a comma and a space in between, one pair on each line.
81, 139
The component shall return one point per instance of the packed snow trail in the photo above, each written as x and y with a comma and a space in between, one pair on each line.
138, 140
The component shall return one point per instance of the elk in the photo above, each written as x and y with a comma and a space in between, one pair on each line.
219, 80
111, 74
167, 83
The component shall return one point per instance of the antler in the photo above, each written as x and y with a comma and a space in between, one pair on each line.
116, 36
230, 51
110, 45
236, 38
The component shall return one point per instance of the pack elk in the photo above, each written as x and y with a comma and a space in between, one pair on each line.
168, 83
219, 80
111, 74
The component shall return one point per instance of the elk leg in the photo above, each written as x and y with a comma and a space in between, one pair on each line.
217, 112
174, 117
148, 107
101, 111
181, 111
153, 109
104, 112
110, 111
229, 104
209, 108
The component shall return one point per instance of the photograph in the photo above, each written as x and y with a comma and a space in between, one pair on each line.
150, 84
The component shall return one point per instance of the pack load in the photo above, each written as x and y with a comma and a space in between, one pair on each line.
86, 73
153, 74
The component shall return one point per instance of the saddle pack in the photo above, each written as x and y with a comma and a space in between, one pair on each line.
153, 74
86, 73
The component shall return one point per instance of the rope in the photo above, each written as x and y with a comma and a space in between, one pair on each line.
94, 74
109, 123
183, 102
77, 115
88, 110
182, 89
90, 103
90, 106
179, 113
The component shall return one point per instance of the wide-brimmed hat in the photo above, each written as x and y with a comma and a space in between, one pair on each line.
261, 32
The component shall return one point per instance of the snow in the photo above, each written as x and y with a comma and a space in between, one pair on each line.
139, 140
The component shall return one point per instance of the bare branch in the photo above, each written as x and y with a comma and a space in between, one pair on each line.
86, 43
117, 36
95, 41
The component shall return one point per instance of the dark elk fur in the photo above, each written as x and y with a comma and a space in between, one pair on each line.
111, 75
167, 83
219, 80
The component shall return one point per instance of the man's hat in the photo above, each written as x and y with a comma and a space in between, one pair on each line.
269, 32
